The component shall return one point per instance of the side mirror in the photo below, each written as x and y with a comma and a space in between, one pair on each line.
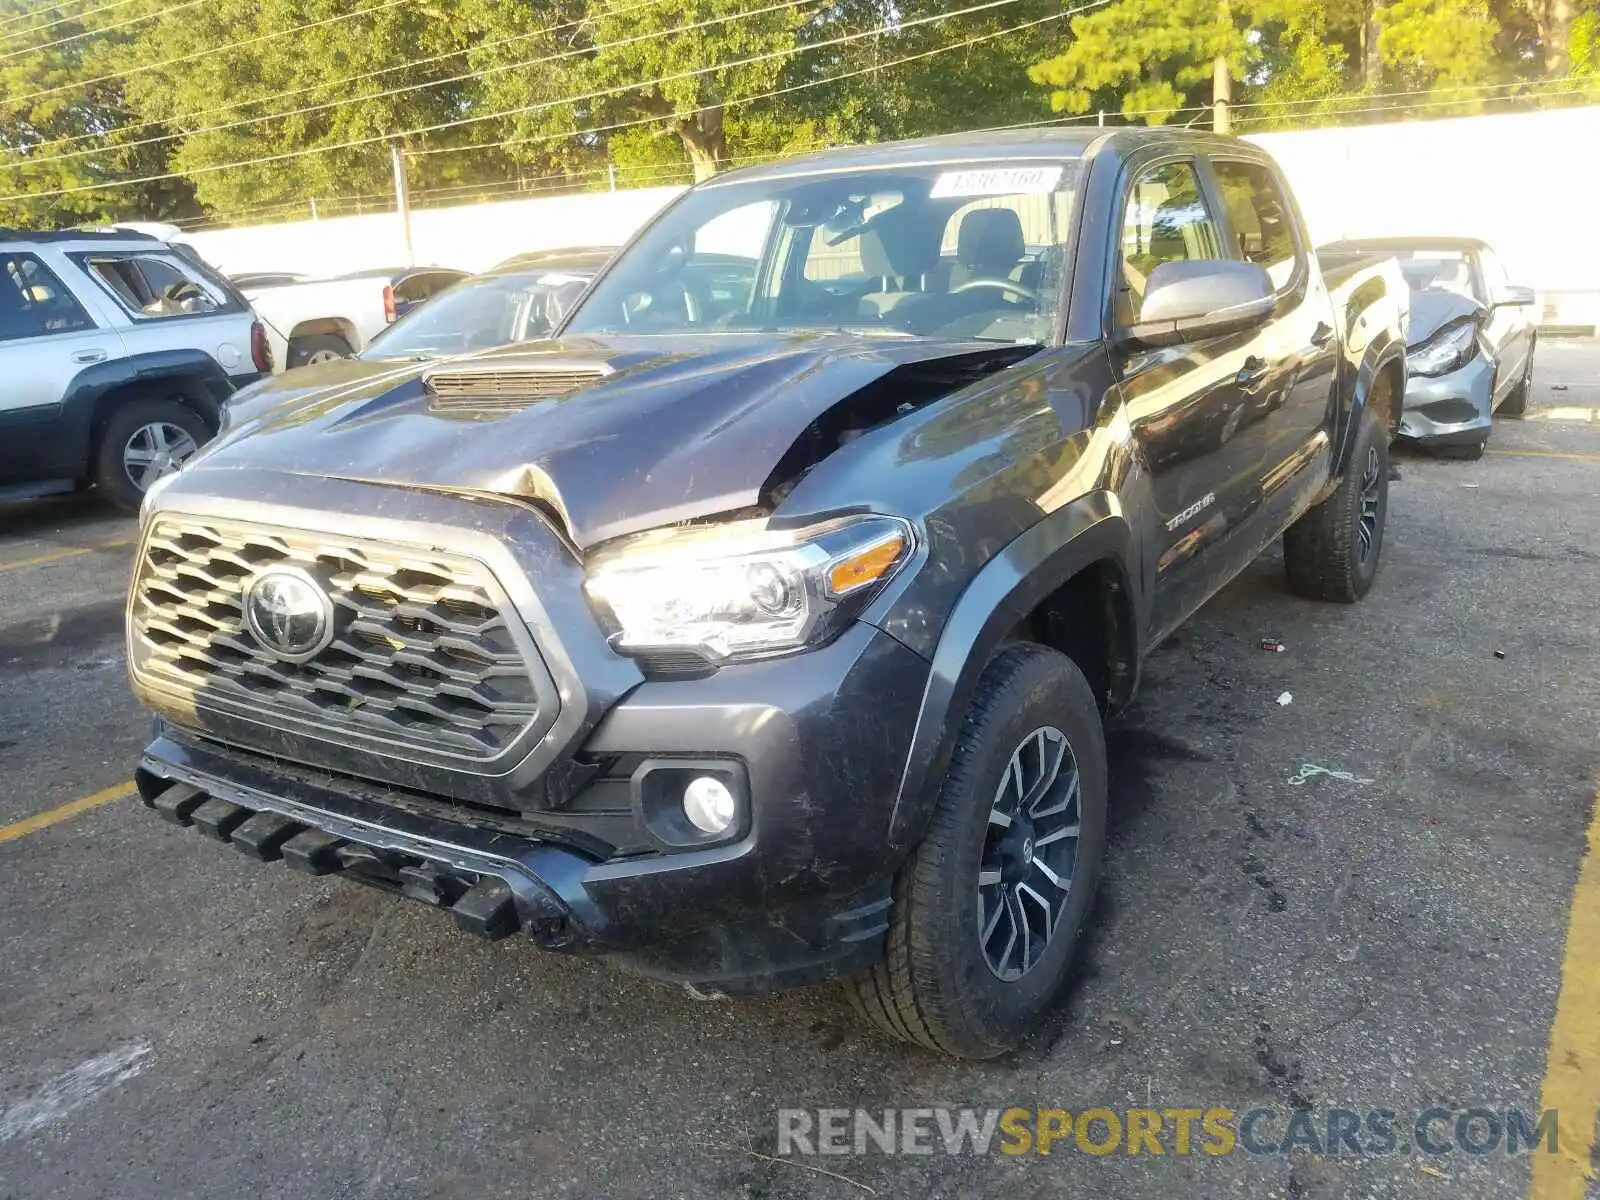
1185, 301
1512, 296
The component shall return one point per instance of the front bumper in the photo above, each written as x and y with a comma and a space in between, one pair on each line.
801, 895
1450, 410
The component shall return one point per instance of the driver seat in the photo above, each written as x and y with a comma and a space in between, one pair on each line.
989, 245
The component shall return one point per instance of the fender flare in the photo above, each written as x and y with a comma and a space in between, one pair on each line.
1379, 357
206, 386
1003, 592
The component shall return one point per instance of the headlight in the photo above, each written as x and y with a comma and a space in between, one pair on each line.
1452, 347
743, 591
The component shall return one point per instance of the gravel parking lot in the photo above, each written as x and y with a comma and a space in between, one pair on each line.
1389, 933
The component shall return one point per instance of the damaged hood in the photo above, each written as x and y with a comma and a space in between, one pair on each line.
1434, 308
614, 434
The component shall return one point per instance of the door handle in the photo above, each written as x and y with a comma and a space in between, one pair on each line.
88, 356
1322, 334
1252, 375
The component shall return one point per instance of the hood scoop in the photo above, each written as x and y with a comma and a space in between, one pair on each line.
494, 387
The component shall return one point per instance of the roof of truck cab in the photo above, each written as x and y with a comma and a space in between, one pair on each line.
1009, 145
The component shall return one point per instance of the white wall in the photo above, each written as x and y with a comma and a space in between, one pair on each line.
1524, 182
472, 236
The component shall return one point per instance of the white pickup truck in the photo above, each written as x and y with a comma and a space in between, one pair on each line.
334, 318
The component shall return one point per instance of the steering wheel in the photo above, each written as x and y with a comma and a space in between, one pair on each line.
1004, 285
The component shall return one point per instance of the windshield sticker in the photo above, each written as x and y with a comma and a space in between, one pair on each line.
1000, 181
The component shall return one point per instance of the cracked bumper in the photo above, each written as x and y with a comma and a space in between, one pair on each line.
1450, 410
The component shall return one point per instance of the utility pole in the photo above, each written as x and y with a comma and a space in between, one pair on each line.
313, 208
1221, 76
1221, 95
402, 198
611, 175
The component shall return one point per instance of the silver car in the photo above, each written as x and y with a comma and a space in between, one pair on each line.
1470, 348
118, 351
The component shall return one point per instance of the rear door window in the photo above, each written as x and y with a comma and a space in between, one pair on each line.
155, 286
34, 302
1259, 221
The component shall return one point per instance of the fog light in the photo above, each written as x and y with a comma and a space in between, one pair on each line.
709, 804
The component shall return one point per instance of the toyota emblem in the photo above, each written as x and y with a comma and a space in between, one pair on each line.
288, 613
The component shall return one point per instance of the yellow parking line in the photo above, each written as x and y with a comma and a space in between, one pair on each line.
1547, 454
39, 560
1572, 1068
22, 828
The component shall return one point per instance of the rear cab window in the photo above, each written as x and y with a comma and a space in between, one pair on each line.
154, 287
34, 302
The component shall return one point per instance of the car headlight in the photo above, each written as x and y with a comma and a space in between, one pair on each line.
743, 591
1450, 348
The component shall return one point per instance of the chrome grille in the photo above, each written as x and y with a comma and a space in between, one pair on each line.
477, 391
422, 655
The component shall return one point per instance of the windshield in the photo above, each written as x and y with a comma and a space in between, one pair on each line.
1448, 270
949, 249
484, 311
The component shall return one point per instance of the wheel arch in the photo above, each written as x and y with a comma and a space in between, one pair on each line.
1380, 381
191, 377
340, 327
1082, 553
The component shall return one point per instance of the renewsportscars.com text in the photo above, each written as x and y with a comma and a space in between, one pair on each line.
1332, 1132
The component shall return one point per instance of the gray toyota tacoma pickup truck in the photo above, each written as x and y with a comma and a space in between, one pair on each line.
758, 629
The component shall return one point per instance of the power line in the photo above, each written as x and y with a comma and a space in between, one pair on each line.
1590, 90
355, 143
21, 163
783, 91
207, 53
43, 8
160, 12
821, 82
340, 82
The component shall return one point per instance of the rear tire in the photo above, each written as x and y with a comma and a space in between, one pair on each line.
972, 879
144, 440
320, 347
1332, 553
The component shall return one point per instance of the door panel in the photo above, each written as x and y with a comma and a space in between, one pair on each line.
46, 340
1509, 329
167, 304
1297, 350
1190, 407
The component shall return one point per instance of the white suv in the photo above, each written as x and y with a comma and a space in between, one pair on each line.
117, 352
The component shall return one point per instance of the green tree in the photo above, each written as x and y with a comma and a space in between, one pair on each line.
48, 110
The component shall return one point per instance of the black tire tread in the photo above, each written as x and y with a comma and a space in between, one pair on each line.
1319, 550
887, 994
1515, 405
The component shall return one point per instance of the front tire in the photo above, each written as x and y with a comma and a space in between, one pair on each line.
1516, 404
143, 441
989, 907
1332, 552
